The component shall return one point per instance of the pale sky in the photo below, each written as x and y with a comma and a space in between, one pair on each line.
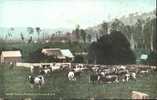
67, 13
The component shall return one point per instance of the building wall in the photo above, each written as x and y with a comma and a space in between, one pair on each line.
8, 60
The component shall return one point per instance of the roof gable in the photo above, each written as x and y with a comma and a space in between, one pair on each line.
11, 54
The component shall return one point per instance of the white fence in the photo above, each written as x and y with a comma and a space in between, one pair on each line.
28, 65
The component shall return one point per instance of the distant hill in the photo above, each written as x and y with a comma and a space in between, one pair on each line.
131, 19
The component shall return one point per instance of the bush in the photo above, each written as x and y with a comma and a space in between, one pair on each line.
152, 58
111, 49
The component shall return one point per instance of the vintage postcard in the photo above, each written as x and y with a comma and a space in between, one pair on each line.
78, 49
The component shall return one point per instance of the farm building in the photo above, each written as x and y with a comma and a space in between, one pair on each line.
62, 55
8, 57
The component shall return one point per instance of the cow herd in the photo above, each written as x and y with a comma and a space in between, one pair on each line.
118, 73
96, 73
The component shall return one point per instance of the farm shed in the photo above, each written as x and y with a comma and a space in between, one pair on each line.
8, 57
63, 55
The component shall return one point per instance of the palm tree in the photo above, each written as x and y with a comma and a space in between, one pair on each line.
38, 30
22, 37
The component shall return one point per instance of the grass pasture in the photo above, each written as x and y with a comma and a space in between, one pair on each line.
14, 85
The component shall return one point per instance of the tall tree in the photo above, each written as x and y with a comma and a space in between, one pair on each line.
38, 30
117, 25
89, 38
154, 34
83, 35
138, 33
77, 32
147, 34
103, 29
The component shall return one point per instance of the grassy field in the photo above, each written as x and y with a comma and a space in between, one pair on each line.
57, 86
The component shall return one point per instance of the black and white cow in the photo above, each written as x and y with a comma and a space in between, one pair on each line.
133, 75
94, 78
36, 81
71, 76
45, 71
108, 79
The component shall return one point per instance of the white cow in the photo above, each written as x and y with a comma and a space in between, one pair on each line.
133, 75
71, 76
127, 77
55, 66
122, 67
143, 71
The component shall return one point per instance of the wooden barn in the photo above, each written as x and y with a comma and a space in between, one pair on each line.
62, 55
8, 57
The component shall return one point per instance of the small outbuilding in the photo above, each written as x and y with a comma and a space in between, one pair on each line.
61, 55
8, 57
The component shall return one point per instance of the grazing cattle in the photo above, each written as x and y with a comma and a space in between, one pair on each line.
93, 78
65, 66
109, 71
122, 72
55, 66
143, 71
121, 67
95, 68
127, 76
77, 74
109, 78
102, 74
45, 71
71, 76
35, 69
133, 75
45, 66
38, 81
79, 67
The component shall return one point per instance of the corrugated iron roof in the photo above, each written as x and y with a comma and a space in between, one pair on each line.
47, 50
67, 53
62, 52
11, 53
